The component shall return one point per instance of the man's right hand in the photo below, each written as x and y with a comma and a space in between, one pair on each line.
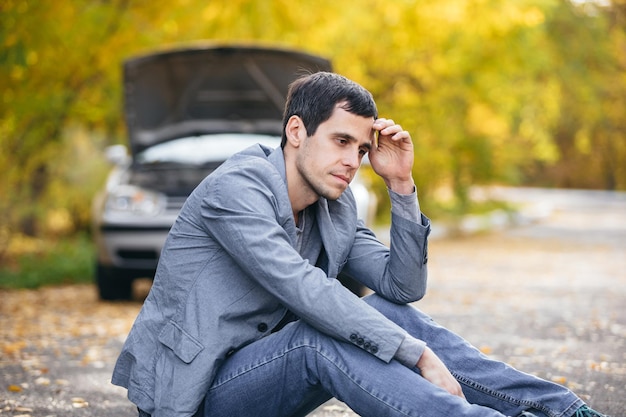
434, 370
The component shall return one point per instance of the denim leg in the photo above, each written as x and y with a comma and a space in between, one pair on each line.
484, 381
291, 372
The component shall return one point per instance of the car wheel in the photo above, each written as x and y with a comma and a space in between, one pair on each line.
113, 283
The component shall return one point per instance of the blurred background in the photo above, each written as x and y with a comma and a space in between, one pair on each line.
530, 92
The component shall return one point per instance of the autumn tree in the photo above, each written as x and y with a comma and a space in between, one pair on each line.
492, 90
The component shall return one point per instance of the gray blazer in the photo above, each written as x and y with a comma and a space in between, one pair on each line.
229, 272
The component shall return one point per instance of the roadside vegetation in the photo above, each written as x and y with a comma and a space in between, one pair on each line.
31, 263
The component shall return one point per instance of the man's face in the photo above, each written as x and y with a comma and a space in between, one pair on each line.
328, 160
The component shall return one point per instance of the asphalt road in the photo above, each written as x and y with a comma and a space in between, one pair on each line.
544, 291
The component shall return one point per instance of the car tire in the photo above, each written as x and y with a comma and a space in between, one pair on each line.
113, 283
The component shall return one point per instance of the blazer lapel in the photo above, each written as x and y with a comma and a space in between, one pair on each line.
337, 225
277, 158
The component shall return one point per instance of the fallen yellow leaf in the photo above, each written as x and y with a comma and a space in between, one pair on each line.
559, 379
78, 402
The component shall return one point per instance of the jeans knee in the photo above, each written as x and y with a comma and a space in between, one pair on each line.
385, 306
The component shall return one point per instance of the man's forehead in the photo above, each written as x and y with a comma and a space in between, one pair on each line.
339, 111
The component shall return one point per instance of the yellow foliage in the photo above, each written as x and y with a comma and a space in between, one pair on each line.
482, 120
533, 17
583, 141
59, 222
20, 244
514, 74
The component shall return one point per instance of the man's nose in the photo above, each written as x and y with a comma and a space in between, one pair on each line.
352, 159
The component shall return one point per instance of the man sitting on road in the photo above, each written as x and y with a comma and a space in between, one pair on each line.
246, 316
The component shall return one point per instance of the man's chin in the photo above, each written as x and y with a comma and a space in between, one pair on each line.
334, 195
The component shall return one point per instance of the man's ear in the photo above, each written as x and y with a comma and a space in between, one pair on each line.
295, 131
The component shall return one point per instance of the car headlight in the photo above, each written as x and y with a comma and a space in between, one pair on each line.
135, 200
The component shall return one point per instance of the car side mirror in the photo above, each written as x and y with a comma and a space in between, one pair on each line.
117, 154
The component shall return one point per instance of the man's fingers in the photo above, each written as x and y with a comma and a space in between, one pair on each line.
436, 372
382, 123
455, 389
447, 382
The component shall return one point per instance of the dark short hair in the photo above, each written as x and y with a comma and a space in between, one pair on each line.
313, 98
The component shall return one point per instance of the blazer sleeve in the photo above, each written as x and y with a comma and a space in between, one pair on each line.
399, 272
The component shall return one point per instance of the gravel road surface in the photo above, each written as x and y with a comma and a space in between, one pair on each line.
546, 294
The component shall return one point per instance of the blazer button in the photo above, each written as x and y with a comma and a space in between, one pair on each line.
353, 337
360, 341
374, 350
262, 327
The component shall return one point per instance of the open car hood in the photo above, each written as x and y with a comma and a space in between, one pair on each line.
210, 89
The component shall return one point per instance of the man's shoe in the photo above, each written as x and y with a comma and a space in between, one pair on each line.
585, 411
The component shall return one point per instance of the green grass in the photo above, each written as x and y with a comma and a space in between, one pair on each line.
67, 261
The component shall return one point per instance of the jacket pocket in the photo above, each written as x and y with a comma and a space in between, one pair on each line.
185, 346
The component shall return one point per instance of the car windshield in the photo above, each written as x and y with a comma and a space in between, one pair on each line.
202, 150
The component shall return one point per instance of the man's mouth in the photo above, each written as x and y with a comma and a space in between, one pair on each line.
344, 178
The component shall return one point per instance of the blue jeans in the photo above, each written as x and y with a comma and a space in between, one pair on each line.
293, 371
